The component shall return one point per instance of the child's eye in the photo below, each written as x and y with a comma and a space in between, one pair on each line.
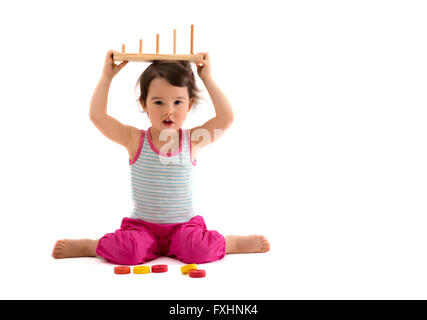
178, 102
158, 102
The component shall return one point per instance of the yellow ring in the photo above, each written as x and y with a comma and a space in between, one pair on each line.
186, 269
141, 269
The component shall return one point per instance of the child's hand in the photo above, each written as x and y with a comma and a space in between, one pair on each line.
204, 66
110, 68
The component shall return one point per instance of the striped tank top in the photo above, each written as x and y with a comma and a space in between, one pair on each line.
161, 183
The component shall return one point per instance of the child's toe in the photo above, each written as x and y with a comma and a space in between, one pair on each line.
265, 244
58, 249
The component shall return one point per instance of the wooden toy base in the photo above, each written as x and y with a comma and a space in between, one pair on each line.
153, 57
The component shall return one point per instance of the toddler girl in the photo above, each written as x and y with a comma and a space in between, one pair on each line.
161, 161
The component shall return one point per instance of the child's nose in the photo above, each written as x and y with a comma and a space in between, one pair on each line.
169, 110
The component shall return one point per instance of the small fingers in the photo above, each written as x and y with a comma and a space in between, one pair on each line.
121, 65
204, 57
109, 55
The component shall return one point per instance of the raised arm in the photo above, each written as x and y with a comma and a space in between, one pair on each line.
110, 127
224, 116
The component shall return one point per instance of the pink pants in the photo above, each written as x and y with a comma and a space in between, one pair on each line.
138, 241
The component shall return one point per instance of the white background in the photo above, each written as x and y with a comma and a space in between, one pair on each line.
327, 155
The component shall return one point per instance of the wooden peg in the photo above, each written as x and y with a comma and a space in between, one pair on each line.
157, 43
140, 46
192, 39
123, 48
174, 41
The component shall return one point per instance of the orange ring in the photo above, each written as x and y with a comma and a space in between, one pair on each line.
121, 270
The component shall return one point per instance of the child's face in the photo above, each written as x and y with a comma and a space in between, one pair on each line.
167, 102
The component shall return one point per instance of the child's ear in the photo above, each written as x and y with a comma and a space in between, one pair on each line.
191, 104
144, 107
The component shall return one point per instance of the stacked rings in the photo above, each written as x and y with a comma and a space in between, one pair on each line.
186, 269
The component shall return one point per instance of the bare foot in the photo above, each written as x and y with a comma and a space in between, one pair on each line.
69, 248
246, 244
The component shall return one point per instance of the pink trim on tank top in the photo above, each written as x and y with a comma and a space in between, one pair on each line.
138, 152
153, 147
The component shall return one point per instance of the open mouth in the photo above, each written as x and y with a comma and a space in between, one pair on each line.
167, 122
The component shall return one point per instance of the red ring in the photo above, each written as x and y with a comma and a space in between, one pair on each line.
197, 273
158, 268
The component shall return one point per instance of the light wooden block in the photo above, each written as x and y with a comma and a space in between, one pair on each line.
117, 56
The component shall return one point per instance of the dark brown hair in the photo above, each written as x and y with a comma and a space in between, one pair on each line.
177, 73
